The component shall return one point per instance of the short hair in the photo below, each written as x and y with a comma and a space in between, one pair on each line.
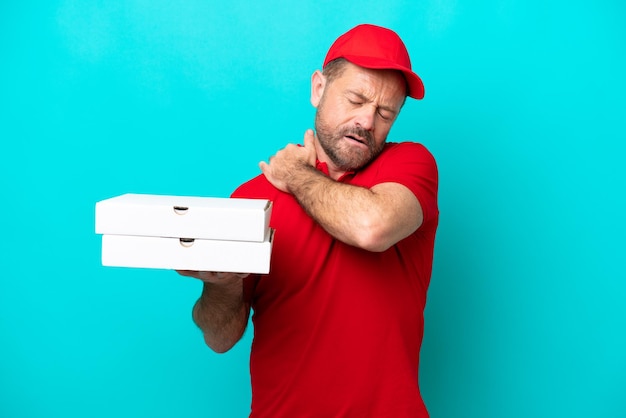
334, 69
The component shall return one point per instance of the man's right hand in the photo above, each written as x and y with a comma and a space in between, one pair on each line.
213, 277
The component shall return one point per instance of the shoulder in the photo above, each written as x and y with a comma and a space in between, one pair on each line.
255, 188
406, 151
405, 158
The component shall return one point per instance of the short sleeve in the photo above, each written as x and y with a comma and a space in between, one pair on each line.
413, 166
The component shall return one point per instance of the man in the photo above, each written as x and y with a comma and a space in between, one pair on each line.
338, 321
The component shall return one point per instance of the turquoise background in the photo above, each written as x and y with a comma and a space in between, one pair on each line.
524, 110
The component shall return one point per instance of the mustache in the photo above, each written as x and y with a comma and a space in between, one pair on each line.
360, 132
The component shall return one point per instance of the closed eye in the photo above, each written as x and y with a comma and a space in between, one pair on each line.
386, 114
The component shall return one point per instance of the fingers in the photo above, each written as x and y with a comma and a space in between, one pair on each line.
291, 150
280, 167
212, 276
311, 146
309, 138
202, 275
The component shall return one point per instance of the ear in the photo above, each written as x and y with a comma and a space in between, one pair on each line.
318, 83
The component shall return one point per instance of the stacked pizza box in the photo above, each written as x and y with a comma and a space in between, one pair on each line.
185, 233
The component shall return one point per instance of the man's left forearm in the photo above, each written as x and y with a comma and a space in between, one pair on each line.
352, 214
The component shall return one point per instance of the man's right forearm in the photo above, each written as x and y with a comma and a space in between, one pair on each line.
222, 314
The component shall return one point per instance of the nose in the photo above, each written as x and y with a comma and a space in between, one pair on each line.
366, 117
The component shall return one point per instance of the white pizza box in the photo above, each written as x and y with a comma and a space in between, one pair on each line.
184, 216
187, 253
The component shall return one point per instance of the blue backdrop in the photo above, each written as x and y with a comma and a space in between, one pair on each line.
524, 111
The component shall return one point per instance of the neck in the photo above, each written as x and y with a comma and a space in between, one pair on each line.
333, 172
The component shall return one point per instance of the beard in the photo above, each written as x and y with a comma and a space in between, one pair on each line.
344, 156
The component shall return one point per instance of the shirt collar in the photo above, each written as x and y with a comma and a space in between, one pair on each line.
323, 167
